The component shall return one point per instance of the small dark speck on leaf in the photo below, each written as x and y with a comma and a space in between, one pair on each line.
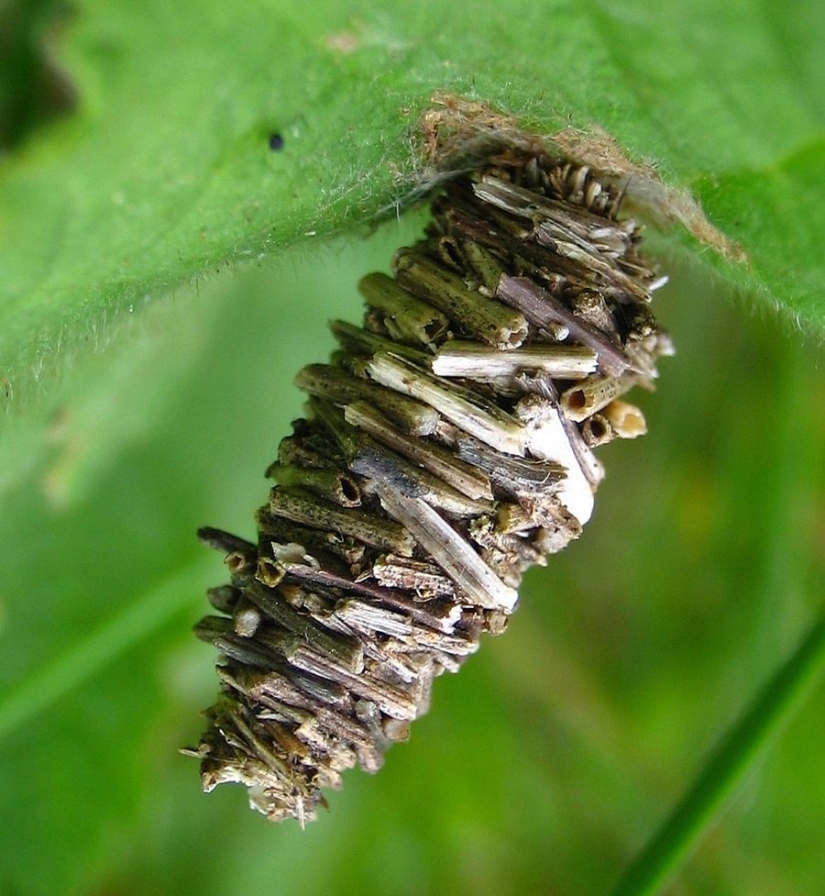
276, 142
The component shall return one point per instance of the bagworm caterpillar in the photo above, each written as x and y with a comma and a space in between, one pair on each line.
447, 447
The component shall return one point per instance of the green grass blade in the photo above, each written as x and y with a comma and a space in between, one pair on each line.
725, 768
88, 656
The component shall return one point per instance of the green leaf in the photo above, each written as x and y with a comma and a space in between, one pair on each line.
148, 388
165, 171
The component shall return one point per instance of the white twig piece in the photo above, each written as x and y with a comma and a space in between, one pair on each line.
450, 551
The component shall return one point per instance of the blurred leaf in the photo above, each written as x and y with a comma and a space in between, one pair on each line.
32, 89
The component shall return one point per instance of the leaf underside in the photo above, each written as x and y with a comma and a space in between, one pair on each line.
164, 172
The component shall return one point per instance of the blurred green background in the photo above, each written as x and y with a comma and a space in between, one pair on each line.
160, 394
543, 765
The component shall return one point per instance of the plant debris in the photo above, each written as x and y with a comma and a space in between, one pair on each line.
447, 447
